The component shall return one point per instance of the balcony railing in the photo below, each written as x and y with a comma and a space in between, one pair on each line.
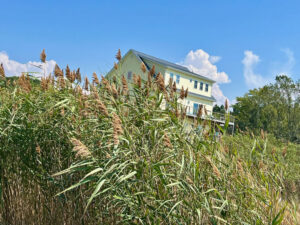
218, 117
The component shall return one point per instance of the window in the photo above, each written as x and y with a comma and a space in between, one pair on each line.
177, 79
195, 84
191, 80
195, 108
201, 86
206, 87
172, 76
129, 74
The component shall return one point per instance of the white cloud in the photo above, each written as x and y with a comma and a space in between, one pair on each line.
284, 67
202, 63
14, 68
252, 80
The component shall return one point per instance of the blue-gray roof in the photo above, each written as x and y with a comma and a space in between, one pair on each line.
165, 63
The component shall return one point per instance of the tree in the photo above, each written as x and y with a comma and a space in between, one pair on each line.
274, 108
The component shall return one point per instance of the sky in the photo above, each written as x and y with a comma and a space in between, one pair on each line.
242, 44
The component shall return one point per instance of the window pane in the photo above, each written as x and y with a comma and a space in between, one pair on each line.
191, 80
206, 87
201, 86
195, 84
195, 108
177, 79
171, 75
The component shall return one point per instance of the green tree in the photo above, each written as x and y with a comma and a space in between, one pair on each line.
273, 108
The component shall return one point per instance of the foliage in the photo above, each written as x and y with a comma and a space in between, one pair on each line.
101, 156
275, 108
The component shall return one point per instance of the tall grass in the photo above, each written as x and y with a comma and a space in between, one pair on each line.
106, 155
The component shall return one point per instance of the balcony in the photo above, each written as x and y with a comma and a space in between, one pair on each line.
219, 118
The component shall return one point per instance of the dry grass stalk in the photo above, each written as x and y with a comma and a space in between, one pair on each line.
167, 142
125, 85
262, 134
95, 79
115, 66
160, 82
86, 84
284, 151
166, 96
215, 169
43, 56
118, 55
62, 111
205, 111
78, 75
2, 71
117, 127
143, 67
102, 107
152, 71
240, 166
81, 150
182, 93
183, 113
261, 164
58, 72
106, 84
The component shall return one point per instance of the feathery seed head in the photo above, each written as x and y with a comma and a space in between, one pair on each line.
143, 67
2, 71
152, 71
118, 55
80, 149
43, 56
95, 79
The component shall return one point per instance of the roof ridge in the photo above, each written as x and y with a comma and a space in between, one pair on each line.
168, 64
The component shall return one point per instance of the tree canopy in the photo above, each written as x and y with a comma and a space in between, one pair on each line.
275, 108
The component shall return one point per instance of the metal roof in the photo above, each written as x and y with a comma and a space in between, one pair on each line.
165, 63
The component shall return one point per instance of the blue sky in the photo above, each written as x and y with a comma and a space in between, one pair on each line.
254, 40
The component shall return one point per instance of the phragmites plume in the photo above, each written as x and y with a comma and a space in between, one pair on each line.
215, 169
102, 107
134, 78
226, 105
200, 111
160, 81
24, 82
115, 66
143, 67
78, 75
170, 83
284, 151
118, 55
117, 126
183, 112
86, 84
125, 85
68, 73
43, 56
152, 71
45, 82
139, 81
182, 93
81, 150
186, 93
105, 83
114, 90
167, 142
2, 71
95, 79
174, 86
58, 72
205, 111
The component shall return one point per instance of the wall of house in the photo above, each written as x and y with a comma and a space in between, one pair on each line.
189, 103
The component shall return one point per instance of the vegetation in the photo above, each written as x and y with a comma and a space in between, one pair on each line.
275, 108
107, 155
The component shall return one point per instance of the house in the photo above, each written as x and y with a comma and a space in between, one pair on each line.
200, 87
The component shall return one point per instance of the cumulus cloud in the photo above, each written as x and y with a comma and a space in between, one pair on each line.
252, 79
14, 68
202, 63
